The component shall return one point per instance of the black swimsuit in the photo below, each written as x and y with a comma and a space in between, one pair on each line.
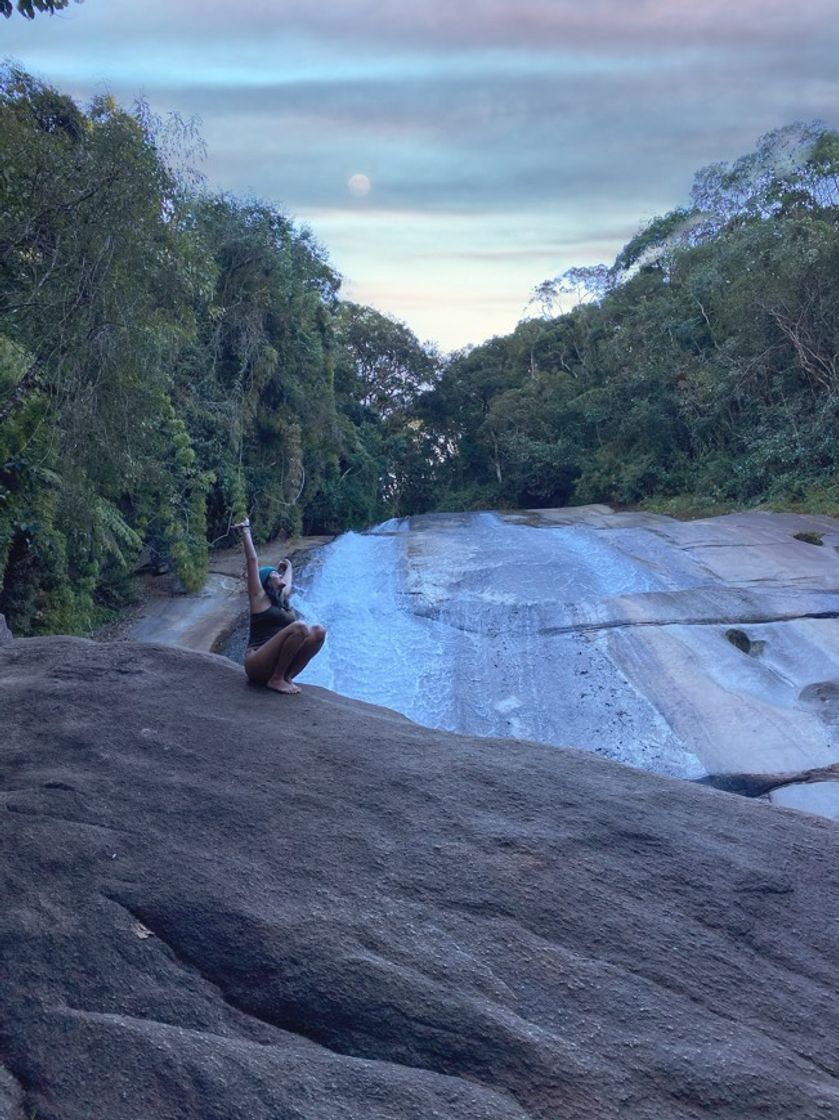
265, 624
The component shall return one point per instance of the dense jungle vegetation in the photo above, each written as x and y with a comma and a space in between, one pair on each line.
170, 358
701, 367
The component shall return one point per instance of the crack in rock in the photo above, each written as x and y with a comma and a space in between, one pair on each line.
759, 785
626, 624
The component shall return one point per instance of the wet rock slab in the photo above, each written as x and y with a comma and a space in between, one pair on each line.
221, 904
686, 648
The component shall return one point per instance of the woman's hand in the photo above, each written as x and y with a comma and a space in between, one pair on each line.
244, 527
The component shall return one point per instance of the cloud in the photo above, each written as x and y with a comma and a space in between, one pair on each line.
504, 142
239, 45
469, 143
467, 25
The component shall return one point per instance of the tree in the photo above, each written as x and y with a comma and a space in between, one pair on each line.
256, 390
170, 359
706, 367
651, 246
799, 162
381, 369
28, 8
589, 282
385, 365
87, 249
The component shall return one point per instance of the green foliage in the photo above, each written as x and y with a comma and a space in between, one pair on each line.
704, 373
381, 370
649, 247
170, 360
88, 243
28, 8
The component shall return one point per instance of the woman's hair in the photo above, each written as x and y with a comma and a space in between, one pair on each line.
279, 598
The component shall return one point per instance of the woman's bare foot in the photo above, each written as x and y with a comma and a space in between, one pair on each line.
283, 686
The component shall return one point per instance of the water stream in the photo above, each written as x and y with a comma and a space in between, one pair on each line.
469, 622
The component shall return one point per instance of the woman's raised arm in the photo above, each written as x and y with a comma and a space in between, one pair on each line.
255, 589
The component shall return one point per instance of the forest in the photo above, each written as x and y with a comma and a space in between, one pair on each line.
172, 357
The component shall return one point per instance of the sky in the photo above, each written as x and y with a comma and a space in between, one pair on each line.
453, 154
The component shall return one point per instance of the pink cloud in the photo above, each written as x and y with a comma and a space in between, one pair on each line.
496, 24
557, 23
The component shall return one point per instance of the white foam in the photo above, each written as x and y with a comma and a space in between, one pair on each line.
454, 624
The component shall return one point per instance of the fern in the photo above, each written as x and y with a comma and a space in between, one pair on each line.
115, 533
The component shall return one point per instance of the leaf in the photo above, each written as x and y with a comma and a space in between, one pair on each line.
116, 533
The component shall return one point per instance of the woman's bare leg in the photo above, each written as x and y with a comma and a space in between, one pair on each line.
306, 651
269, 664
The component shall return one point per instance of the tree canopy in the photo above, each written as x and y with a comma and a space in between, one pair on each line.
169, 358
29, 8
702, 365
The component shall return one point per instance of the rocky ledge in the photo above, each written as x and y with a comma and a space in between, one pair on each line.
223, 904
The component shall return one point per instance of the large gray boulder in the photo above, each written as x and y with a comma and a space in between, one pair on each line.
223, 904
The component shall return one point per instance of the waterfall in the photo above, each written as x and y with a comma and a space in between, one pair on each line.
466, 622
378, 649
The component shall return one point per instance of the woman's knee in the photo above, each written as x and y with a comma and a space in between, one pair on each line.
297, 630
317, 632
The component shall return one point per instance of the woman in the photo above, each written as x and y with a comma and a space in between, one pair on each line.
279, 646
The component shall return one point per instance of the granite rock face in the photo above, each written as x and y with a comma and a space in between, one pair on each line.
687, 648
223, 904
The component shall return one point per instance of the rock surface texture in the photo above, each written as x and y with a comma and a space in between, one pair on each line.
223, 904
686, 648
200, 620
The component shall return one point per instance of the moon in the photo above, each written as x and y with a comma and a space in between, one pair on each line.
359, 184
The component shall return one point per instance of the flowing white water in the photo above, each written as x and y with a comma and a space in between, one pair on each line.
378, 649
469, 623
